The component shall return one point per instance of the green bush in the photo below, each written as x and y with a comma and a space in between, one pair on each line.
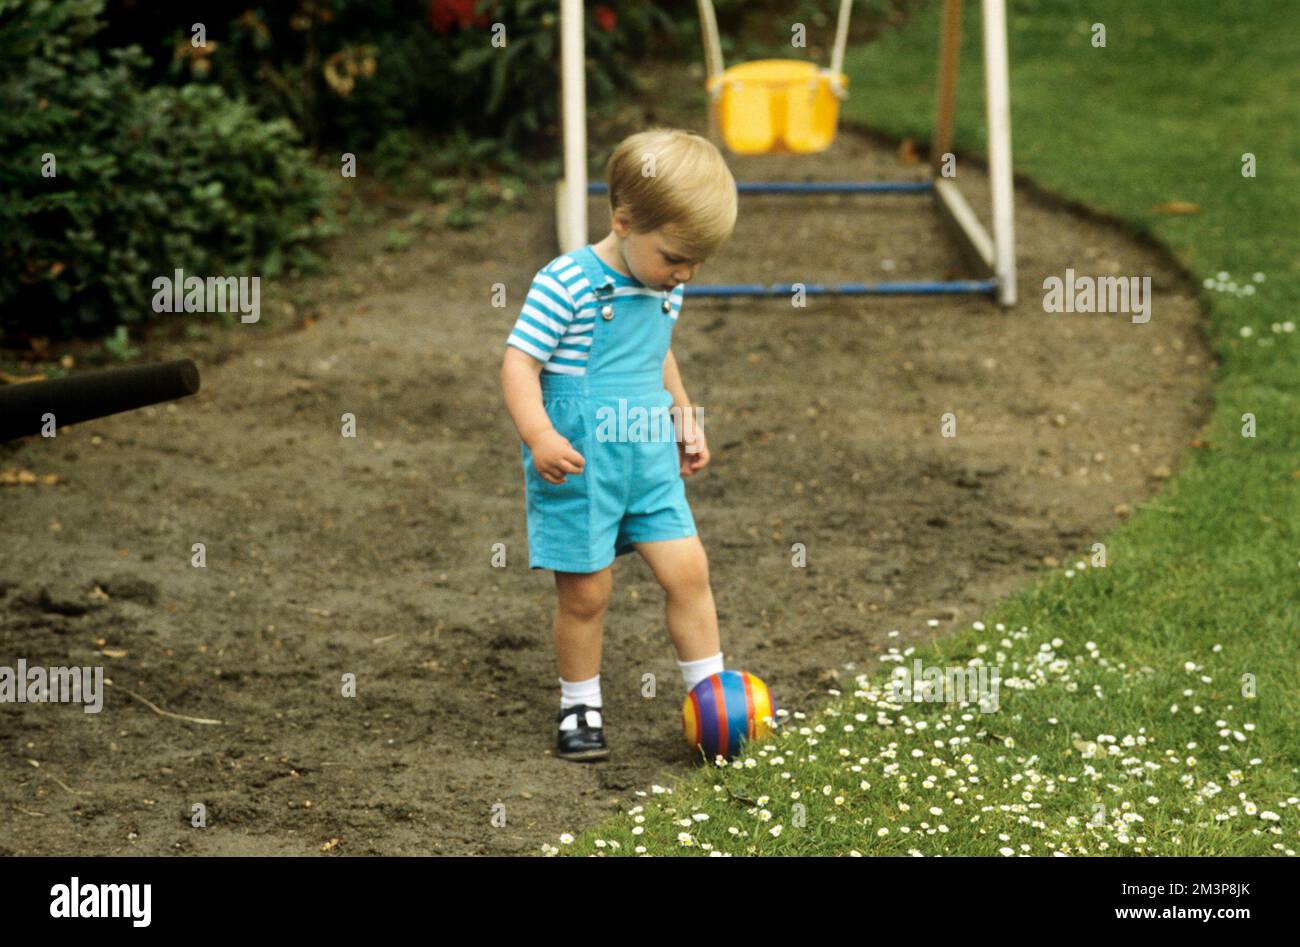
144, 180
349, 71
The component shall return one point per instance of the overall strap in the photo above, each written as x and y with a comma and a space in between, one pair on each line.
602, 284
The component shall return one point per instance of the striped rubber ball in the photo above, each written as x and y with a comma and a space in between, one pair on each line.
724, 708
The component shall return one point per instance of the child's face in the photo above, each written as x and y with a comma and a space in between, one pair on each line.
654, 257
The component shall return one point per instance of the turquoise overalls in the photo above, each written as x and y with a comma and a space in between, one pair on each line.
630, 489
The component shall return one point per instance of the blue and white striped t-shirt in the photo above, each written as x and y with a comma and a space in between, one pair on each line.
558, 317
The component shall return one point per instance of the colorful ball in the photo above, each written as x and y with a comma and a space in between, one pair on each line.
724, 708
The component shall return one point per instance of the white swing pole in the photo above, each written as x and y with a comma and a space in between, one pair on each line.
841, 37
571, 192
997, 89
712, 61
709, 34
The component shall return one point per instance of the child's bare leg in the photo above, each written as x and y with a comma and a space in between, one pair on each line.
582, 598
682, 569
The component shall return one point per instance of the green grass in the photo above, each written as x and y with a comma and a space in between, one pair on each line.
1183, 647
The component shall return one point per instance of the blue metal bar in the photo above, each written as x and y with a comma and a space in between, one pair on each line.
920, 288
813, 187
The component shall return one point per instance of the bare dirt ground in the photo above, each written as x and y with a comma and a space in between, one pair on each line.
374, 556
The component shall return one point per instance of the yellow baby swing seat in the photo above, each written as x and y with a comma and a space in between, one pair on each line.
773, 106
777, 105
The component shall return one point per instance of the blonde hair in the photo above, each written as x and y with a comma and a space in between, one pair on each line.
675, 180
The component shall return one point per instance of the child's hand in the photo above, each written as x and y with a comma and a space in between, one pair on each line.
554, 456
692, 448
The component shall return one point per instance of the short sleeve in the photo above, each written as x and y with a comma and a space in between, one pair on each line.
547, 313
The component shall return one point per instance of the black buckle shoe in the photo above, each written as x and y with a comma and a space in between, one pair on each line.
583, 742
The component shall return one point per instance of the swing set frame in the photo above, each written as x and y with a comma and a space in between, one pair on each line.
995, 251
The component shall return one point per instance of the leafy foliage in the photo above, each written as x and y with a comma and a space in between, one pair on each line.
107, 185
347, 72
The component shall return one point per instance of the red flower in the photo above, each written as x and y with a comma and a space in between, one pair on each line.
606, 19
444, 14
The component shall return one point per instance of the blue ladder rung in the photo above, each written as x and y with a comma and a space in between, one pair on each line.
914, 288
813, 187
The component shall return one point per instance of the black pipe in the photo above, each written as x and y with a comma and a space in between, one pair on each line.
90, 395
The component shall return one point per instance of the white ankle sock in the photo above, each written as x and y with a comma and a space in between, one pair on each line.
580, 692
695, 671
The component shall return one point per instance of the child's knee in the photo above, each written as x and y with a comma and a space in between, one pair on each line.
689, 579
585, 597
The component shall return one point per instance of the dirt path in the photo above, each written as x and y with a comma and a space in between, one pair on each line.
373, 555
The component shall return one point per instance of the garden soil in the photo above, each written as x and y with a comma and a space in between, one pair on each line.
379, 556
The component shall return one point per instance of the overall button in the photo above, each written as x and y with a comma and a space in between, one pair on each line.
607, 311
668, 306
